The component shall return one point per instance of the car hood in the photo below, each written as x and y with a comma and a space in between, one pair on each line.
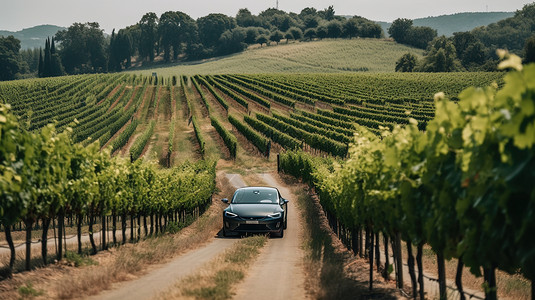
254, 210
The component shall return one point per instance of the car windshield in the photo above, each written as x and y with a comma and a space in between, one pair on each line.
255, 196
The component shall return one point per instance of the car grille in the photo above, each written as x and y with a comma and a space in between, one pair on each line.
252, 227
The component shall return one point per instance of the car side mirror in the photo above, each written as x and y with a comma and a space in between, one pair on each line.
224, 200
284, 201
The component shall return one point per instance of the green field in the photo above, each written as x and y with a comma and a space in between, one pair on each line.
326, 56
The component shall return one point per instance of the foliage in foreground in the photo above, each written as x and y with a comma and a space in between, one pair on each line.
465, 186
46, 176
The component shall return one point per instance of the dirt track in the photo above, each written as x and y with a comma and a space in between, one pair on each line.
277, 273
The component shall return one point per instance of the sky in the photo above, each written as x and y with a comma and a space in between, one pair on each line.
19, 14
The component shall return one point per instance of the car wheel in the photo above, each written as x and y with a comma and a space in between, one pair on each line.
285, 224
279, 234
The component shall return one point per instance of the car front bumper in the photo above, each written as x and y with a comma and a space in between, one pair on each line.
255, 225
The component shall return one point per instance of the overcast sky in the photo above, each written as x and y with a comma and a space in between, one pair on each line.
18, 14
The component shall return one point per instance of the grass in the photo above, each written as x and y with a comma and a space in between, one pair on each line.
326, 56
29, 292
218, 277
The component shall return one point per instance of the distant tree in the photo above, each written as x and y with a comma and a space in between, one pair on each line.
47, 62
310, 33
288, 36
83, 48
399, 30
56, 67
334, 29
251, 33
311, 21
370, 29
420, 36
529, 50
462, 40
212, 26
262, 39
351, 28
474, 55
276, 36
41, 66
308, 11
148, 26
406, 63
327, 14
322, 32
9, 57
232, 41
29, 60
441, 56
296, 32
169, 32
244, 18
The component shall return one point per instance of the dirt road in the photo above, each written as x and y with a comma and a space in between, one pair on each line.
277, 273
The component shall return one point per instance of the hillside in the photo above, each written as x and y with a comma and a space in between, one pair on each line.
448, 24
326, 56
33, 37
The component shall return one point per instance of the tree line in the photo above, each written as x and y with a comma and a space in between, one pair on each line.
173, 36
466, 51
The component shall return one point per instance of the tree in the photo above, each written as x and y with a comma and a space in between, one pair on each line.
232, 41
251, 33
310, 33
9, 57
441, 56
334, 29
169, 31
328, 13
83, 49
351, 28
406, 63
148, 26
296, 32
322, 32
244, 18
276, 36
420, 36
474, 54
399, 30
212, 26
288, 36
262, 39
529, 50
311, 21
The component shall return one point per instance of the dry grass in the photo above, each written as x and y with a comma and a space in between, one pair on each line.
324, 56
218, 277
509, 286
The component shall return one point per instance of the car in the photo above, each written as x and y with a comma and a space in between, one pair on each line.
255, 210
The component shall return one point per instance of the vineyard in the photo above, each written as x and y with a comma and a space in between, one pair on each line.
384, 156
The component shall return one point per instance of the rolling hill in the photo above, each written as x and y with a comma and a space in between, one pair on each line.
326, 56
448, 24
33, 37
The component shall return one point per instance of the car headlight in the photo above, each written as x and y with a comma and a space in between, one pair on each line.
275, 215
230, 214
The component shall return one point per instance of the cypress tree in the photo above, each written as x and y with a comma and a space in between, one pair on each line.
41, 66
47, 63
